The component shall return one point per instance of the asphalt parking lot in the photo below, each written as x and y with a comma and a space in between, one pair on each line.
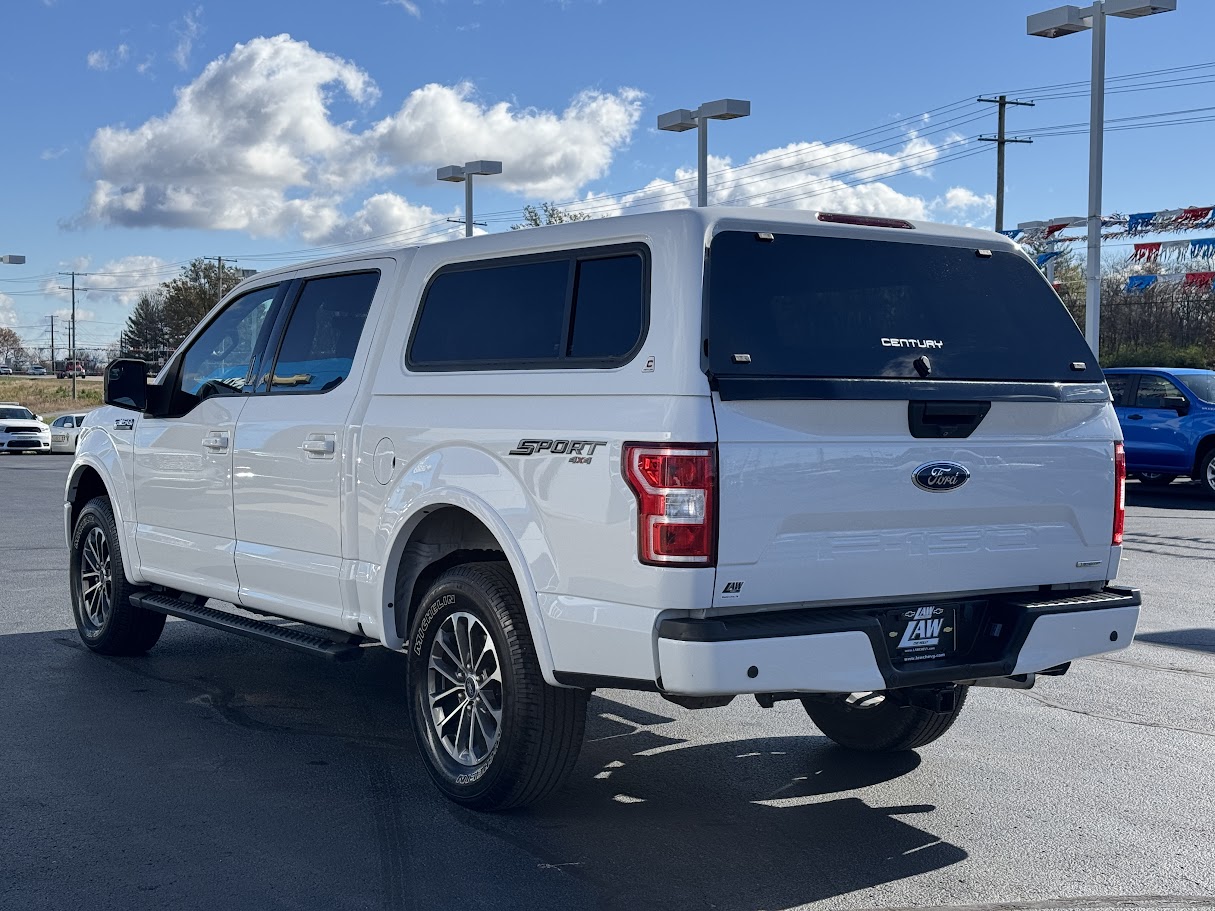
223, 773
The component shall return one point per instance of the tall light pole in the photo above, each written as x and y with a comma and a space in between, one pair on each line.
682, 119
456, 174
1067, 20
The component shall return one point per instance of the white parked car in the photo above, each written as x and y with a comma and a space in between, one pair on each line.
857, 462
5, 370
64, 432
22, 431
36, 370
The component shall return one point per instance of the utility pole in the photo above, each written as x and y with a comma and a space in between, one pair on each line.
72, 326
1001, 140
219, 275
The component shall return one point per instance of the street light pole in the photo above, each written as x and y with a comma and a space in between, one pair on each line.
453, 173
682, 119
1067, 20
1096, 148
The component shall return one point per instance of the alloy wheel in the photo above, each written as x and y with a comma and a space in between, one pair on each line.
96, 580
464, 689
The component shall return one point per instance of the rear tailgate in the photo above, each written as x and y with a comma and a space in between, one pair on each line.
900, 416
818, 501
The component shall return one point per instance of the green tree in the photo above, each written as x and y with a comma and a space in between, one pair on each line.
548, 214
144, 335
187, 298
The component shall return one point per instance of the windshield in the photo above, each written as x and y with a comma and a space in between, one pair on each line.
1201, 384
835, 307
16, 414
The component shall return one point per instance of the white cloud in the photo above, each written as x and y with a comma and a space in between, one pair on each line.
107, 60
546, 154
251, 145
8, 311
960, 199
144, 68
408, 5
121, 280
52, 154
82, 315
803, 175
189, 29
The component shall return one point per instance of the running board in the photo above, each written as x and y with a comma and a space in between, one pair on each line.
289, 636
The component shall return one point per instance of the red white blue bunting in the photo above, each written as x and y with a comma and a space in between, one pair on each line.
1204, 281
1166, 221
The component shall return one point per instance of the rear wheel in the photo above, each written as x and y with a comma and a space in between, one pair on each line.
876, 723
492, 733
1156, 479
106, 619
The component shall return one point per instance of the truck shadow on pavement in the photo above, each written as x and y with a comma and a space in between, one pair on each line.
227, 773
656, 821
1178, 495
1195, 640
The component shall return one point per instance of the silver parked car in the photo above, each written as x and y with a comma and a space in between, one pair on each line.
65, 431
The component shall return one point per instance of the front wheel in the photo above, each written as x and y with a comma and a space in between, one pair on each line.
106, 619
492, 733
1206, 473
876, 723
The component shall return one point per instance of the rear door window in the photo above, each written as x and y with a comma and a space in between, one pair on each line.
845, 308
581, 308
1120, 384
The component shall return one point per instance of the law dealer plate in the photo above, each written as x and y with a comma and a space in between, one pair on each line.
922, 633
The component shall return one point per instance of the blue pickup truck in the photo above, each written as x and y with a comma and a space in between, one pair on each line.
1168, 422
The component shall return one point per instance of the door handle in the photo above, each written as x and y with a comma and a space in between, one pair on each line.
1135, 417
216, 442
319, 445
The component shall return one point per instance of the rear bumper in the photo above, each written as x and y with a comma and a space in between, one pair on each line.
837, 651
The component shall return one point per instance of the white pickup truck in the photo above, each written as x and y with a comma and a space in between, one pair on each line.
858, 462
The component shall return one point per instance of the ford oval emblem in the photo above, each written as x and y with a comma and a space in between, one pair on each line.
936, 476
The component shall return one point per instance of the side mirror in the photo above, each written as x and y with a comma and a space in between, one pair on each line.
1178, 403
126, 384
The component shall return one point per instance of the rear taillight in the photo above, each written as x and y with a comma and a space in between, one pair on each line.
676, 488
1119, 492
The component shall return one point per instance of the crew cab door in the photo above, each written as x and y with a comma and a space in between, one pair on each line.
292, 450
185, 531
1153, 428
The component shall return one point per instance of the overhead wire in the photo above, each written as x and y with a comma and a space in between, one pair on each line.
958, 113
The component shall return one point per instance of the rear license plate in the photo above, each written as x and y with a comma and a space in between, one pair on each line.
922, 633
59, 438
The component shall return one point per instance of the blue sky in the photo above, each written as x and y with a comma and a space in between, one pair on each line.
138, 135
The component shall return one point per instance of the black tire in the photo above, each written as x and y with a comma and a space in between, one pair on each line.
1155, 478
539, 732
1206, 473
871, 724
117, 627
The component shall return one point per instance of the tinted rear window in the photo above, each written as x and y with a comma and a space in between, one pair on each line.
570, 309
831, 307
